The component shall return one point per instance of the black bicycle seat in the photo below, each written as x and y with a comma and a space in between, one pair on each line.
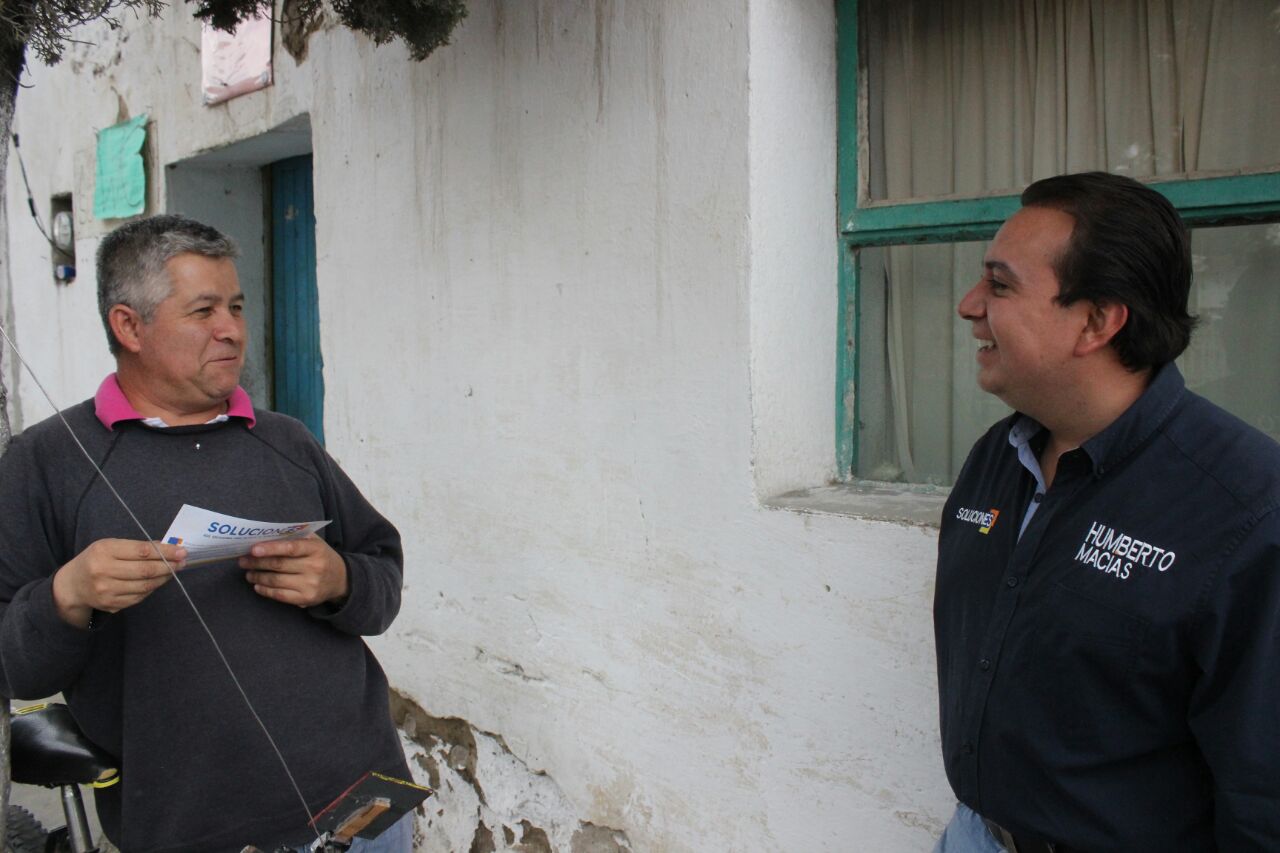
47, 748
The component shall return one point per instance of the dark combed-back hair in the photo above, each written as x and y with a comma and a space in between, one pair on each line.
1128, 247
132, 258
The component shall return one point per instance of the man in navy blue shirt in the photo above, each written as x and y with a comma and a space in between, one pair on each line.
1107, 611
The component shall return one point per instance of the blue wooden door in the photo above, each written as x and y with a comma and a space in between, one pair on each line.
295, 315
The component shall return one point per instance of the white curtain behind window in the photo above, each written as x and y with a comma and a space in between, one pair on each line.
980, 96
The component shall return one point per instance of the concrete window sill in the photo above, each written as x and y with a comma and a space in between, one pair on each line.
902, 503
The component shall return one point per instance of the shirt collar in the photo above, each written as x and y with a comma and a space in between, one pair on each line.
112, 406
1148, 413
1115, 443
1024, 429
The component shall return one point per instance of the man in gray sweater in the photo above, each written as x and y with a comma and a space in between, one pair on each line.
87, 606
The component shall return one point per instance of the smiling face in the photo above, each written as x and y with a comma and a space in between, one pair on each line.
188, 357
1027, 340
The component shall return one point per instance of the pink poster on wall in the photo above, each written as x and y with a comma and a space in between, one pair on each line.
236, 63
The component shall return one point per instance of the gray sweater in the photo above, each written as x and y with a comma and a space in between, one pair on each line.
145, 683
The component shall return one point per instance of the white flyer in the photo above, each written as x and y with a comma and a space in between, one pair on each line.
210, 536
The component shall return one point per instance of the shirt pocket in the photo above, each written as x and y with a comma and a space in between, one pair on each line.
1078, 670
1090, 626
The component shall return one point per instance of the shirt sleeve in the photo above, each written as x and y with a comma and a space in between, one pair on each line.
370, 547
1235, 706
40, 654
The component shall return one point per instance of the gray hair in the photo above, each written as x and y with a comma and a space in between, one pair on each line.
132, 258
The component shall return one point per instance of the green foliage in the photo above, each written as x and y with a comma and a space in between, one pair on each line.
45, 25
226, 14
423, 24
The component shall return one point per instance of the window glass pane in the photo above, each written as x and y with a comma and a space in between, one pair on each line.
1234, 357
920, 405
976, 96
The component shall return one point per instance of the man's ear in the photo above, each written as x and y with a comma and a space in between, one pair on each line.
1104, 322
126, 325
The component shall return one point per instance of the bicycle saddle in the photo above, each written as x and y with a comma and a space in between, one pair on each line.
47, 748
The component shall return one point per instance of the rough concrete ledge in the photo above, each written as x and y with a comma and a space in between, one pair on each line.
900, 503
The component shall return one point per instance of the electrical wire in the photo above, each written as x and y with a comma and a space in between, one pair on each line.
31, 205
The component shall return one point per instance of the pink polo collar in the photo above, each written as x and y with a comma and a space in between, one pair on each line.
112, 406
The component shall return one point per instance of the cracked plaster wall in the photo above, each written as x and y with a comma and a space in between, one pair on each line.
487, 799
577, 315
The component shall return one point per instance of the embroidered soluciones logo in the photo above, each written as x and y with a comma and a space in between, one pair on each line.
1117, 553
985, 519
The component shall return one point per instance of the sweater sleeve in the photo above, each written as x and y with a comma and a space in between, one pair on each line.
370, 547
40, 654
1233, 712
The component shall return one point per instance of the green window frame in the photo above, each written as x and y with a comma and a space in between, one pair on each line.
1220, 199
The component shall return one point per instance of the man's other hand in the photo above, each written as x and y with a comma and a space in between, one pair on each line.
110, 575
303, 572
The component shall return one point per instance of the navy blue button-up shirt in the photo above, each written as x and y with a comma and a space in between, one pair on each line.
1110, 679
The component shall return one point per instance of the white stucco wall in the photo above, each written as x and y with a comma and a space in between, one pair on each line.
794, 304
577, 292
